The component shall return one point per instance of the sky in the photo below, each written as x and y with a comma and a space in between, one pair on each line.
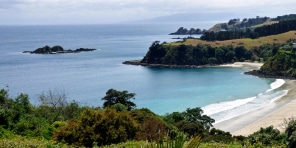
39, 12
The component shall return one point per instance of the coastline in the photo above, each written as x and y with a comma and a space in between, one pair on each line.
274, 114
248, 65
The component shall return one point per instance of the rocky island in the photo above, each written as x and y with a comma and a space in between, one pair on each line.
192, 31
56, 50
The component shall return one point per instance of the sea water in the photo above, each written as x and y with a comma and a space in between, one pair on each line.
222, 92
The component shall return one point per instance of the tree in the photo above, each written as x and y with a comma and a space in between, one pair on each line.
174, 117
268, 136
52, 105
240, 52
155, 53
291, 134
190, 121
191, 128
195, 115
152, 129
123, 97
23, 101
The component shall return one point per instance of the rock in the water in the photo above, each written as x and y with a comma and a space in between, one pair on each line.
57, 49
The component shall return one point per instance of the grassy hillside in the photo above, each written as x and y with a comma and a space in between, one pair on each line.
247, 42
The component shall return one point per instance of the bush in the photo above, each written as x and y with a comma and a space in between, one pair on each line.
267, 136
102, 127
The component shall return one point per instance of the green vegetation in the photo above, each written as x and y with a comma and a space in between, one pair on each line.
119, 100
194, 52
237, 24
246, 42
267, 136
282, 64
250, 28
57, 123
167, 54
266, 30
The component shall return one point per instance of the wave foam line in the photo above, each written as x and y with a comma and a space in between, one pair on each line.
223, 106
277, 98
276, 84
242, 112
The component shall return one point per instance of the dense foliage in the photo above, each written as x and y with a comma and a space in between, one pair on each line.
22, 118
98, 126
277, 28
266, 30
68, 123
119, 120
283, 63
267, 136
194, 55
285, 17
291, 134
118, 98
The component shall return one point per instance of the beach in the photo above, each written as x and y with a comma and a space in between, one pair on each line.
276, 114
248, 65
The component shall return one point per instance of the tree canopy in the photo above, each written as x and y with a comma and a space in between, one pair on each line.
123, 97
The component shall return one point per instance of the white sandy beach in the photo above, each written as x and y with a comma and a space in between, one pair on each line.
275, 114
249, 65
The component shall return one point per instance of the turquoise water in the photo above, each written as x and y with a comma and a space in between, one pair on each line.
85, 77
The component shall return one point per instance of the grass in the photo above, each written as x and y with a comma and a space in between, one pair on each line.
247, 42
23, 142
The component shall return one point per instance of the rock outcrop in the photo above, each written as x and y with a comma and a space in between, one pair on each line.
56, 50
184, 31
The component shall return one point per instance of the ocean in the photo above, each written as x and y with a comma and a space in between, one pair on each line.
222, 92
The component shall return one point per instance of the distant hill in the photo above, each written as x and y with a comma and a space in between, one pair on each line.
246, 42
251, 23
236, 24
259, 27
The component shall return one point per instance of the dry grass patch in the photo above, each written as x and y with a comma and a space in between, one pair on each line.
247, 42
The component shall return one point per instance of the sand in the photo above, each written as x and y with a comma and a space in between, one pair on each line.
248, 65
276, 114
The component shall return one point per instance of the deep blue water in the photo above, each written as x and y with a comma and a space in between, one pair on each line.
85, 77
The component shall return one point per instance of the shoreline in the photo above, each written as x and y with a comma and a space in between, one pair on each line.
248, 65
276, 114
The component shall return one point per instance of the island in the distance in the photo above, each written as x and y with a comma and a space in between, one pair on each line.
192, 31
56, 50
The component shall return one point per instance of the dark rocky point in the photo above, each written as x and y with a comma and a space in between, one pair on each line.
184, 31
56, 50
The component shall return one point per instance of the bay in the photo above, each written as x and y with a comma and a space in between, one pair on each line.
85, 77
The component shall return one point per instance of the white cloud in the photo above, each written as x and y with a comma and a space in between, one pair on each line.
109, 11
